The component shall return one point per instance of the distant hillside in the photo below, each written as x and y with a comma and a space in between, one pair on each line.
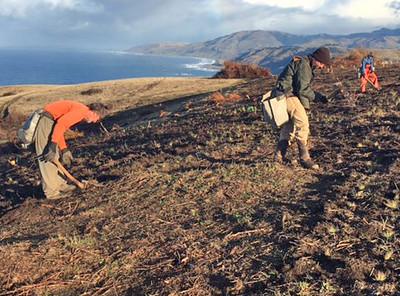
272, 48
276, 58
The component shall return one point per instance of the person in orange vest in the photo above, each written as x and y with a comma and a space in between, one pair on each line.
50, 144
368, 74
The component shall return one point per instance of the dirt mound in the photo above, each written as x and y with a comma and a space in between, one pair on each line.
190, 203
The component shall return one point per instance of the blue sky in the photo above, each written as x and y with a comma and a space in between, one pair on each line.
120, 24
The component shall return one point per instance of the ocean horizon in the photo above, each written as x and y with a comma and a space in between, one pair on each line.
27, 66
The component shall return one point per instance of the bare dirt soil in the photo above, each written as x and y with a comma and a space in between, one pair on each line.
184, 200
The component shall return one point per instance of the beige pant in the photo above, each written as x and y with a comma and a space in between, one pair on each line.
298, 126
52, 182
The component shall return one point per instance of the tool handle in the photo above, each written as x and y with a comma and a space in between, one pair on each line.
79, 184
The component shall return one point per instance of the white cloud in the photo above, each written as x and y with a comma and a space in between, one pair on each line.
309, 5
21, 8
366, 9
375, 13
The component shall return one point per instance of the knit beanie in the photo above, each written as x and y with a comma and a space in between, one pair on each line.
322, 55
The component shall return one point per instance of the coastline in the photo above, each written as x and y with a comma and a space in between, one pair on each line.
66, 68
204, 64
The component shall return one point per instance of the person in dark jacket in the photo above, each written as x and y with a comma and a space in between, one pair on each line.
295, 83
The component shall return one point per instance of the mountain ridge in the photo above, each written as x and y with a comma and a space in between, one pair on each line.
273, 47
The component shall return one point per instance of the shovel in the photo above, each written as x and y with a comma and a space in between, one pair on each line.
370, 82
79, 184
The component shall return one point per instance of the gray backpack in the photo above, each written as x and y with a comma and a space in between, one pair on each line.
27, 131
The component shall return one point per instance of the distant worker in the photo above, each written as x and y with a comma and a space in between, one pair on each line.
50, 143
295, 83
367, 73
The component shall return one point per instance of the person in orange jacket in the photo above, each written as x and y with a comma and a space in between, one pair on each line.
50, 144
368, 74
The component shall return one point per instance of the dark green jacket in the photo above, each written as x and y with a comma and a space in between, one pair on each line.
296, 80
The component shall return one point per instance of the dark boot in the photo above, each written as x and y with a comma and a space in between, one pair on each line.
305, 159
280, 152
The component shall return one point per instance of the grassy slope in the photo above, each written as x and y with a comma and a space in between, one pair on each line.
190, 204
121, 94
19, 101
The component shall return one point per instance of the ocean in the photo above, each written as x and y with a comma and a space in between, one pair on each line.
22, 66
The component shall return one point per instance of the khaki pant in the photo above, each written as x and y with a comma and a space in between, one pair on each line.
298, 126
52, 182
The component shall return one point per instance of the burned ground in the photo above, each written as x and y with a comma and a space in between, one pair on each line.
189, 203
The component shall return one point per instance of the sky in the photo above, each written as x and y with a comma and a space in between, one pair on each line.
121, 24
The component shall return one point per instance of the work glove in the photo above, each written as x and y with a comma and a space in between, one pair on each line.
324, 99
66, 157
50, 152
320, 97
276, 93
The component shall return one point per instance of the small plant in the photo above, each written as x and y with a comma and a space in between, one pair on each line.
361, 187
332, 230
380, 276
77, 242
327, 288
388, 234
392, 204
304, 288
388, 255
251, 109
242, 218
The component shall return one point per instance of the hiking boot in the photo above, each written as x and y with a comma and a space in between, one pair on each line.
309, 164
280, 152
305, 159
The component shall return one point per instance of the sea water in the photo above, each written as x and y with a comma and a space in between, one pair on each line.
23, 66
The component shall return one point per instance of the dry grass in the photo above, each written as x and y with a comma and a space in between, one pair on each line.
121, 94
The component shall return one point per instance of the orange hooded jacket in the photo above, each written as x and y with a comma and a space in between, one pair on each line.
65, 114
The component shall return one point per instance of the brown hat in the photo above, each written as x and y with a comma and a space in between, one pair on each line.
322, 55
100, 108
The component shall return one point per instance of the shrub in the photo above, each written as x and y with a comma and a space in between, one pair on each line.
220, 99
238, 70
9, 93
91, 91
